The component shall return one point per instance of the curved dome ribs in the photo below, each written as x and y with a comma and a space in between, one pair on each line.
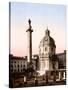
51, 41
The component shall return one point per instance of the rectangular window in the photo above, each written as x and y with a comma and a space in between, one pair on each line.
23, 65
15, 62
18, 69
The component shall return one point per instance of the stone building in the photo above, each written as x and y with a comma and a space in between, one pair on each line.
48, 59
19, 64
62, 60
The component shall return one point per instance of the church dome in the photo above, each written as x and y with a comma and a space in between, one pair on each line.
47, 39
52, 42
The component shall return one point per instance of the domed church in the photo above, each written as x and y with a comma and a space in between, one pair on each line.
47, 54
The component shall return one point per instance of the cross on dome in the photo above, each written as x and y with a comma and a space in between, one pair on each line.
29, 21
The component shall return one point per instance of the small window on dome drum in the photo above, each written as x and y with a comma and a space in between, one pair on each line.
45, 49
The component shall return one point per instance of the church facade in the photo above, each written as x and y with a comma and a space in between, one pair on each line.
48, 59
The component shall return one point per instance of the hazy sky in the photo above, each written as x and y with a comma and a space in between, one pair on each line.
41, 15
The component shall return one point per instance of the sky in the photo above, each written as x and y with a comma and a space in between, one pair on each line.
41, 15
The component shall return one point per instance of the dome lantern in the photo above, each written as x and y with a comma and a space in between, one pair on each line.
47, 32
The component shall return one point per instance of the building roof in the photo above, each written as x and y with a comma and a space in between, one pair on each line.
16, 57
63, 53
12, 57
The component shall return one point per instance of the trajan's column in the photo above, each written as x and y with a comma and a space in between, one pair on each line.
29, 33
